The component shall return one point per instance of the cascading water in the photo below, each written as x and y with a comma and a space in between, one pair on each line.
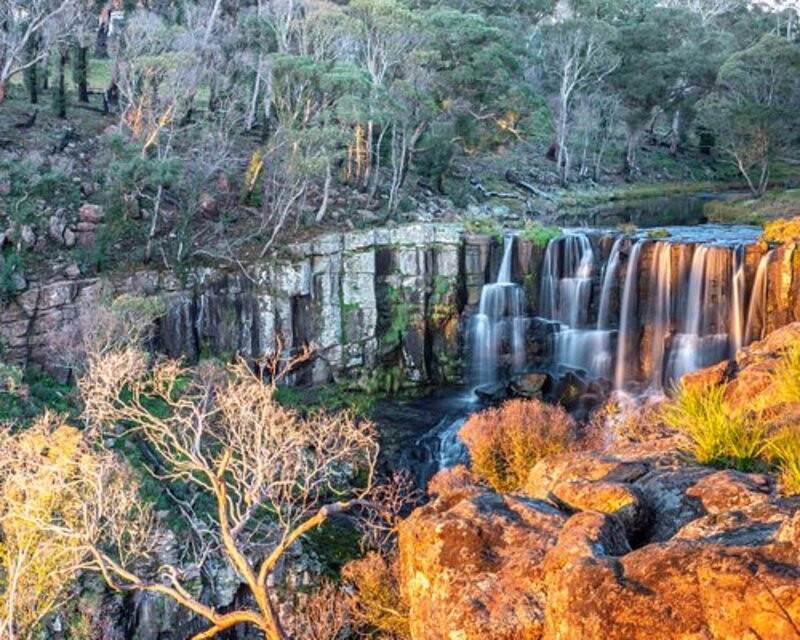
666, 307
627, 323
754, 328
570, 265
499, 325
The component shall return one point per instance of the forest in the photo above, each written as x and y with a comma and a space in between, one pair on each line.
399, 319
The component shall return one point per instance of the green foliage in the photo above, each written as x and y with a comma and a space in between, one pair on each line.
26, 394
484, 227
336, 543
539, 234
720, 436
752, 108
658, 234
730, 213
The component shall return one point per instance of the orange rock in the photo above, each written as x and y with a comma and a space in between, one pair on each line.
473, 567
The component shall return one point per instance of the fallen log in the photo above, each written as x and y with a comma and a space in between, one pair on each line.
526, 186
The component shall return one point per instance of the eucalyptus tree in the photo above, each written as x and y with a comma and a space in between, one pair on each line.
575, 57
753, 109
28, 28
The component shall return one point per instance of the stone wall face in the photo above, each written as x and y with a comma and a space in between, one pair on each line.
392, 303
360, 300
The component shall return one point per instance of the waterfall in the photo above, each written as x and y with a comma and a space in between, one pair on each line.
566, 289
499, 324
661, 301
609, 283
628, 325
707, 333
758, 302
654, 310
737, 304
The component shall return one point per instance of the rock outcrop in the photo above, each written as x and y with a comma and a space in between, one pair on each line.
639, 542
473, 566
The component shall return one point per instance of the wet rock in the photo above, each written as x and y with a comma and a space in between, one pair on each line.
529, 385
495, 392
473, 567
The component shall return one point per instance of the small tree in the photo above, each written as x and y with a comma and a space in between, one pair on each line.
265, 475
24, 22
58, 500
575, 55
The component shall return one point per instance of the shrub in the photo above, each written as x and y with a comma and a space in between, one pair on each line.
484, 227
539, 234
720, 436
378, 602
504, 443
782, 230
732, 212
784, 449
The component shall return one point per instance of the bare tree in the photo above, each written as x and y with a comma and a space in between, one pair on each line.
24, 21
271, 475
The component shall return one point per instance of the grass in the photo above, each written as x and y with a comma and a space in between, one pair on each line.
769, 211
784, 450
787, 376
720, 436
749, 438
539, 234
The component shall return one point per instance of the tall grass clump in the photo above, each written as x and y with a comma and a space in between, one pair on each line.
720, 436
784, 450
787, 376
504, 443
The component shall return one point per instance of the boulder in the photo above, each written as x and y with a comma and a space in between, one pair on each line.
473, 566
718, 584
528, 385
91, 213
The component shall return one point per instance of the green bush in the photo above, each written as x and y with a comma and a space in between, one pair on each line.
720, 436
539, 234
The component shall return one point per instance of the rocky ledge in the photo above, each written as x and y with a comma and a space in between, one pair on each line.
629, 542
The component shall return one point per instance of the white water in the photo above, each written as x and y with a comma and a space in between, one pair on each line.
651, 312
500, 324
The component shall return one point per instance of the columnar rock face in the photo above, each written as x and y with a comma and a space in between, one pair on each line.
360, 300
393, 303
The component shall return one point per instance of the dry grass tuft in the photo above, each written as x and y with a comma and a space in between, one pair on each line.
504, 443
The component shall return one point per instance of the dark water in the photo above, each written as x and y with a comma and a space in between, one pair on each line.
645, 213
